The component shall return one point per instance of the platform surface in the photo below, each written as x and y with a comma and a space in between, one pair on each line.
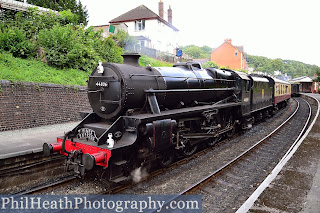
297, 186
26, 141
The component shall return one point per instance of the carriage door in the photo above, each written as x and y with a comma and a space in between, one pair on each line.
246, 96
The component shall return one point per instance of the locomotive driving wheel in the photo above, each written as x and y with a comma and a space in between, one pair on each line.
212, 141
188, 149
166, 158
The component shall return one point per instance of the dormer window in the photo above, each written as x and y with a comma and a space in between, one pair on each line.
139, 25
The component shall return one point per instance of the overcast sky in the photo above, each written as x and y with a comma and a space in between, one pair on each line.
286, 29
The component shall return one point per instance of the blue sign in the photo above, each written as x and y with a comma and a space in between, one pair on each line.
179, 53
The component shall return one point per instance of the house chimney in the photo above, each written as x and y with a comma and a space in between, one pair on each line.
229, 40
161, 9
170, 15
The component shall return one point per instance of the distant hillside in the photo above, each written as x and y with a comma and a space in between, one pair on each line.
260, 63
291, 67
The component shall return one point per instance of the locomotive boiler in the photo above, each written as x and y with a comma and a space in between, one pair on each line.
113, 89
146, 114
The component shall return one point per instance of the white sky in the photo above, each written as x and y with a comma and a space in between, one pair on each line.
286, 29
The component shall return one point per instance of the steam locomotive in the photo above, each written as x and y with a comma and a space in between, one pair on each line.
144, 114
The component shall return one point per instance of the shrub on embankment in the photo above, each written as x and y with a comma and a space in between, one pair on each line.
57, 40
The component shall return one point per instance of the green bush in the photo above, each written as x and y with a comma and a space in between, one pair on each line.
14, 40
58, 40
75, 47
210, 64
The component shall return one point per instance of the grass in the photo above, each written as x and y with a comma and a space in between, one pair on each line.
32, 70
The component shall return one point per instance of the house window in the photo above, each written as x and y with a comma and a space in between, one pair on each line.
139, 25
236, 53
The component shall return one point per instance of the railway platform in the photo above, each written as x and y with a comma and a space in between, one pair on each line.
27, 141
297, 186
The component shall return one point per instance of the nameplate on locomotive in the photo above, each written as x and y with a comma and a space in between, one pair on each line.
88, 134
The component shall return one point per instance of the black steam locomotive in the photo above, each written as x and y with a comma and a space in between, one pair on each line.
143, 114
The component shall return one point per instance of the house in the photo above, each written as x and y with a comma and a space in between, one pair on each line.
230, 56
306, 84
280, 76
150, 29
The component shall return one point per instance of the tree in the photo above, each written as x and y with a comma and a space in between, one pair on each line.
316, 70
276, 64
125, 41
197, 52
76, 8
210, 64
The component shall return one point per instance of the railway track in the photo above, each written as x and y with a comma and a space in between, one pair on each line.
63, 181
22, 172
225, 189
173, 166
117, 189
22, 168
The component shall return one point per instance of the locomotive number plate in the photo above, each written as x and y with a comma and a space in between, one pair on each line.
88, 134
102, 84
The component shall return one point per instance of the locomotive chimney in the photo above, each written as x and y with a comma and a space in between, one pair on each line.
161, 9
131, 59
170, 15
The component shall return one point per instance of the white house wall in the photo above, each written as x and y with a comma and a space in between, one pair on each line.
162, 37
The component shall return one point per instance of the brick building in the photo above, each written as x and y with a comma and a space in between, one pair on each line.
230, 56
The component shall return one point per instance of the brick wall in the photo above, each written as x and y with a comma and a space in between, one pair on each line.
26, 105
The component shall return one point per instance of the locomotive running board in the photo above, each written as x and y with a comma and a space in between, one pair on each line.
183, 112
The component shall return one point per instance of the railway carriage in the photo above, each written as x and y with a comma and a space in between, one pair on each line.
295, 90
146, 114
282, 92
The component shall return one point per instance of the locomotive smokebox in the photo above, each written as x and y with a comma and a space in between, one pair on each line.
131, 59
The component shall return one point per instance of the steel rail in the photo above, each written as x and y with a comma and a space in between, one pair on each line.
19, 169
120, 188
172, 166
40, 188
208, 178
254, 196
230, 163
